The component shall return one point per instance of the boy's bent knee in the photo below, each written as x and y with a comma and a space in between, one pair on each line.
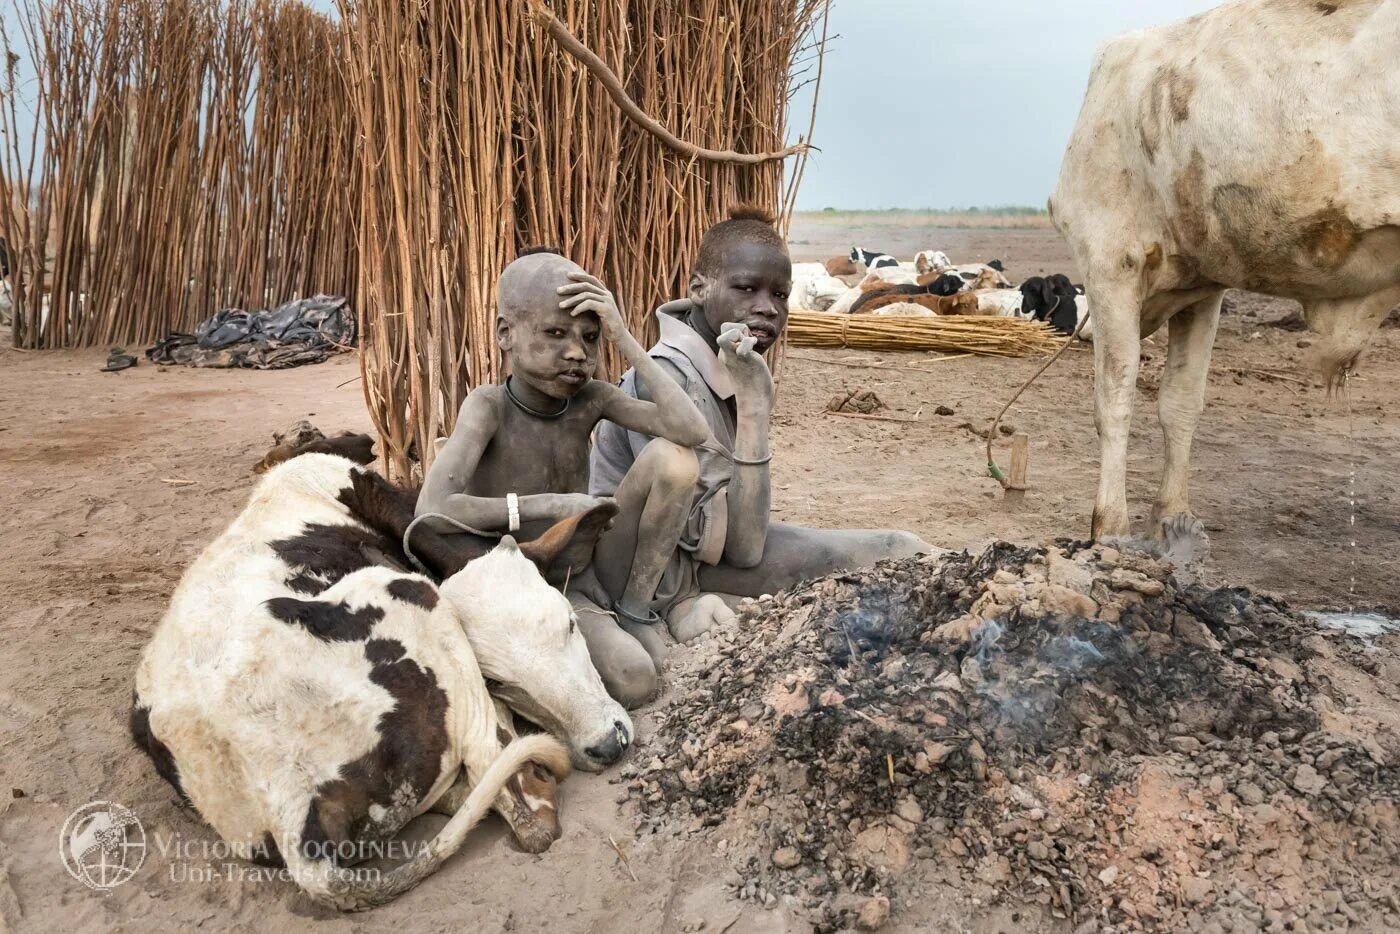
672, 465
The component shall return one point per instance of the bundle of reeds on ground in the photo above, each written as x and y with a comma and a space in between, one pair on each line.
988, 336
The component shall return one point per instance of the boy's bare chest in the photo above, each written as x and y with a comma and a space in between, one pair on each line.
530, 455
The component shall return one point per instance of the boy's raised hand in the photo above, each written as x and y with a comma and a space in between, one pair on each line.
745, 364
587, 293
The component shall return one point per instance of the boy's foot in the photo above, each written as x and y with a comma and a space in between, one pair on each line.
645, 627
692, 618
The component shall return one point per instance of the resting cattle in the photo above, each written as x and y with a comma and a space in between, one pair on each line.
1054, 299
931, 261
841, 266
930, 264
870, 259
309, 697
1255, 146
813, 288
942, 283
872, 302
1000, 303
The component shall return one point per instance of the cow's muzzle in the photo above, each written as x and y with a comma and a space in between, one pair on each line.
613, 746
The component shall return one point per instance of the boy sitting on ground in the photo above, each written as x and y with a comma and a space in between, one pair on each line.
712, 345
517, 460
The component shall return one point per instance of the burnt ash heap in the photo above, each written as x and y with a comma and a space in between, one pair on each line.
1033, 724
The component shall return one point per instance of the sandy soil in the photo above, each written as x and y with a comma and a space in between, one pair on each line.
96, 535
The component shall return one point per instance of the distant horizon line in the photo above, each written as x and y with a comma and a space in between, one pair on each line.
1019, 209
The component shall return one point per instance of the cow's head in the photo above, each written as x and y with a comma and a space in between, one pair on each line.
944, 284
527, 640
1037, 298
931, 261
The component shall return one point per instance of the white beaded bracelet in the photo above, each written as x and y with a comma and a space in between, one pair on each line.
513, 506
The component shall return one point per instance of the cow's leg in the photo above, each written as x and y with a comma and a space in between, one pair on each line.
1117, 307
454, 797
1180, 399
415, 613
528, 804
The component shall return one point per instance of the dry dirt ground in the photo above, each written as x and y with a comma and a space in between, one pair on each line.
113, 482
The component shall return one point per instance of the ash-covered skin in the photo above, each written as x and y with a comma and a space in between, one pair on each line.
553, 316
750, 287
741, 310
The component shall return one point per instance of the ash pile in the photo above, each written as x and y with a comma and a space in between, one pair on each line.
1066, 730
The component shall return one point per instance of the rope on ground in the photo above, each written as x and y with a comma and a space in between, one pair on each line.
992, 469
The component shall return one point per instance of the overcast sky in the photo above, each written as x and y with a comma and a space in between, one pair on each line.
957, 103
941, 103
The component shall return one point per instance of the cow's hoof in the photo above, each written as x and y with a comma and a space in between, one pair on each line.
1109, 523
1185, 544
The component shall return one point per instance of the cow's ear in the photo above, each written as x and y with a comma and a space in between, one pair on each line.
567, 546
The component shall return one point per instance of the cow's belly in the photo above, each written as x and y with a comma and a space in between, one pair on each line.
1310, 258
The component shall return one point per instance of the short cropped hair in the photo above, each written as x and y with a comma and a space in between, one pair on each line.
532, 250
530, 282
746, 222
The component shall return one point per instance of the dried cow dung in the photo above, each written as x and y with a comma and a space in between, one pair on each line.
860, 401
1065, 728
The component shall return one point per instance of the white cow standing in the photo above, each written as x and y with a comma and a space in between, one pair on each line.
1254, 146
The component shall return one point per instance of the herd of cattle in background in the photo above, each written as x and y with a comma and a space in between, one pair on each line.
337, 696
874, 283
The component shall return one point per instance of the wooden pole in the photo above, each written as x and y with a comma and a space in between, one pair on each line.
1020, 457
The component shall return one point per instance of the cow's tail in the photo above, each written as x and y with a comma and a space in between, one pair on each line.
352, 889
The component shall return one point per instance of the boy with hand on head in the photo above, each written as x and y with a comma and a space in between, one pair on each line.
712, 344
517, 460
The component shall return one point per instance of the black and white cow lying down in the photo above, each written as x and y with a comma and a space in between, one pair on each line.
310, 697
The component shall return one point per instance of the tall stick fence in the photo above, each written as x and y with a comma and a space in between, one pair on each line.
175, 157
484, 132
189, 155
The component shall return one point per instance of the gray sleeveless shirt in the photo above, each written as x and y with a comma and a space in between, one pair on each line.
615, 449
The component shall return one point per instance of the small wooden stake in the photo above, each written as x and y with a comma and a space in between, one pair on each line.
1020, 457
